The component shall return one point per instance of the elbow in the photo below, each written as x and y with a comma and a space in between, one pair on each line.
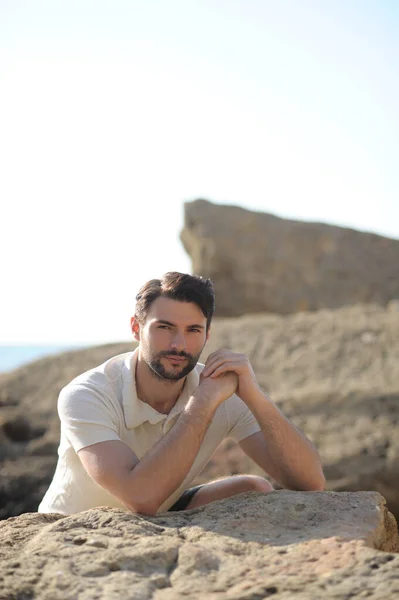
322, 485
319, 484
147, 509
322, 481
317, 487
132, 499
316, 484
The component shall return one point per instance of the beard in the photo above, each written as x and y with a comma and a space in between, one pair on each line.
153, 361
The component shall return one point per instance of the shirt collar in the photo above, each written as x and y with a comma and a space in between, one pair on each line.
137, 412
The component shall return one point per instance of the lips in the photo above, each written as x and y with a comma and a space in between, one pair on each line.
176, 358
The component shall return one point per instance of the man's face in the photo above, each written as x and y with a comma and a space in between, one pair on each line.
172, 338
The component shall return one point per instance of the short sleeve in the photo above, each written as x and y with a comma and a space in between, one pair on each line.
87, 416
242, 422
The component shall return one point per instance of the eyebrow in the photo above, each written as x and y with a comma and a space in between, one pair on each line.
163, 322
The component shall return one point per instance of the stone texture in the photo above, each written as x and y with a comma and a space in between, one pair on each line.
253, 546
335, 373
29, 424
262, 263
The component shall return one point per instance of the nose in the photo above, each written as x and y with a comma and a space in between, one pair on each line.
178, 341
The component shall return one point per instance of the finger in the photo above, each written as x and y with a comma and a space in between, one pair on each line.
217, 362
219, 353
209, 365
212, 356
222, 354
224, 368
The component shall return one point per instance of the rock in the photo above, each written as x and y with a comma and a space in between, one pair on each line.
342, 350
23, 483
343, 392
29, 424
19, 429
263, 263
393, 305
253, 546
357, 452
5, 400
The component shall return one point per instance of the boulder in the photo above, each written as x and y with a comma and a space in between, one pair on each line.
253, 546
29, 424
263, 263
334, 373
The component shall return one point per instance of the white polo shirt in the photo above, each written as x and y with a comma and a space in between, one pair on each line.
102, 405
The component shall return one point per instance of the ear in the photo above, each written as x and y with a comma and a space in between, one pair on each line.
207, 334
135, 327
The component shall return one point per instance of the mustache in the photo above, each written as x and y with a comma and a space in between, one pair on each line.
175, 353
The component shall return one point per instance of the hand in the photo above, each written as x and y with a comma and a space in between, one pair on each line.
225, 361
218, 389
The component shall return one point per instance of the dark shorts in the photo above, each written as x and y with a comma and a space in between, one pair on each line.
183, 501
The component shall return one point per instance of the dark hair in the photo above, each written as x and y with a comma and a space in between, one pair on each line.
177, 286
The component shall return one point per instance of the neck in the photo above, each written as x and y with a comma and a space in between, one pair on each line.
161, 394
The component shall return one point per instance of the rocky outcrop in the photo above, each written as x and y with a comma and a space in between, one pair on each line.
29, 424
253, 546
262, 263
335, 373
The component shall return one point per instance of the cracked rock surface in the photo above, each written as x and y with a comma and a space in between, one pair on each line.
334, 373
284, 544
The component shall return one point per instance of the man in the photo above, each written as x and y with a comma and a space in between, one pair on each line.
138, 429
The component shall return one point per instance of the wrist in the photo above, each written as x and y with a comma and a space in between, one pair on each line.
204, 400
249, 391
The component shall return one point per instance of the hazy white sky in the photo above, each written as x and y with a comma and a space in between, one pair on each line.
113, 113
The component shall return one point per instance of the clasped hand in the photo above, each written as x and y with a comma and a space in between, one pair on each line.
227, 373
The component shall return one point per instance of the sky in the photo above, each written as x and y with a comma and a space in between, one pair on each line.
113, 114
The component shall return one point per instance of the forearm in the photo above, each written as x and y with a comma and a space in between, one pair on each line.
296, 461
160, 472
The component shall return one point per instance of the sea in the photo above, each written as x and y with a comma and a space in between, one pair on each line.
12, 357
